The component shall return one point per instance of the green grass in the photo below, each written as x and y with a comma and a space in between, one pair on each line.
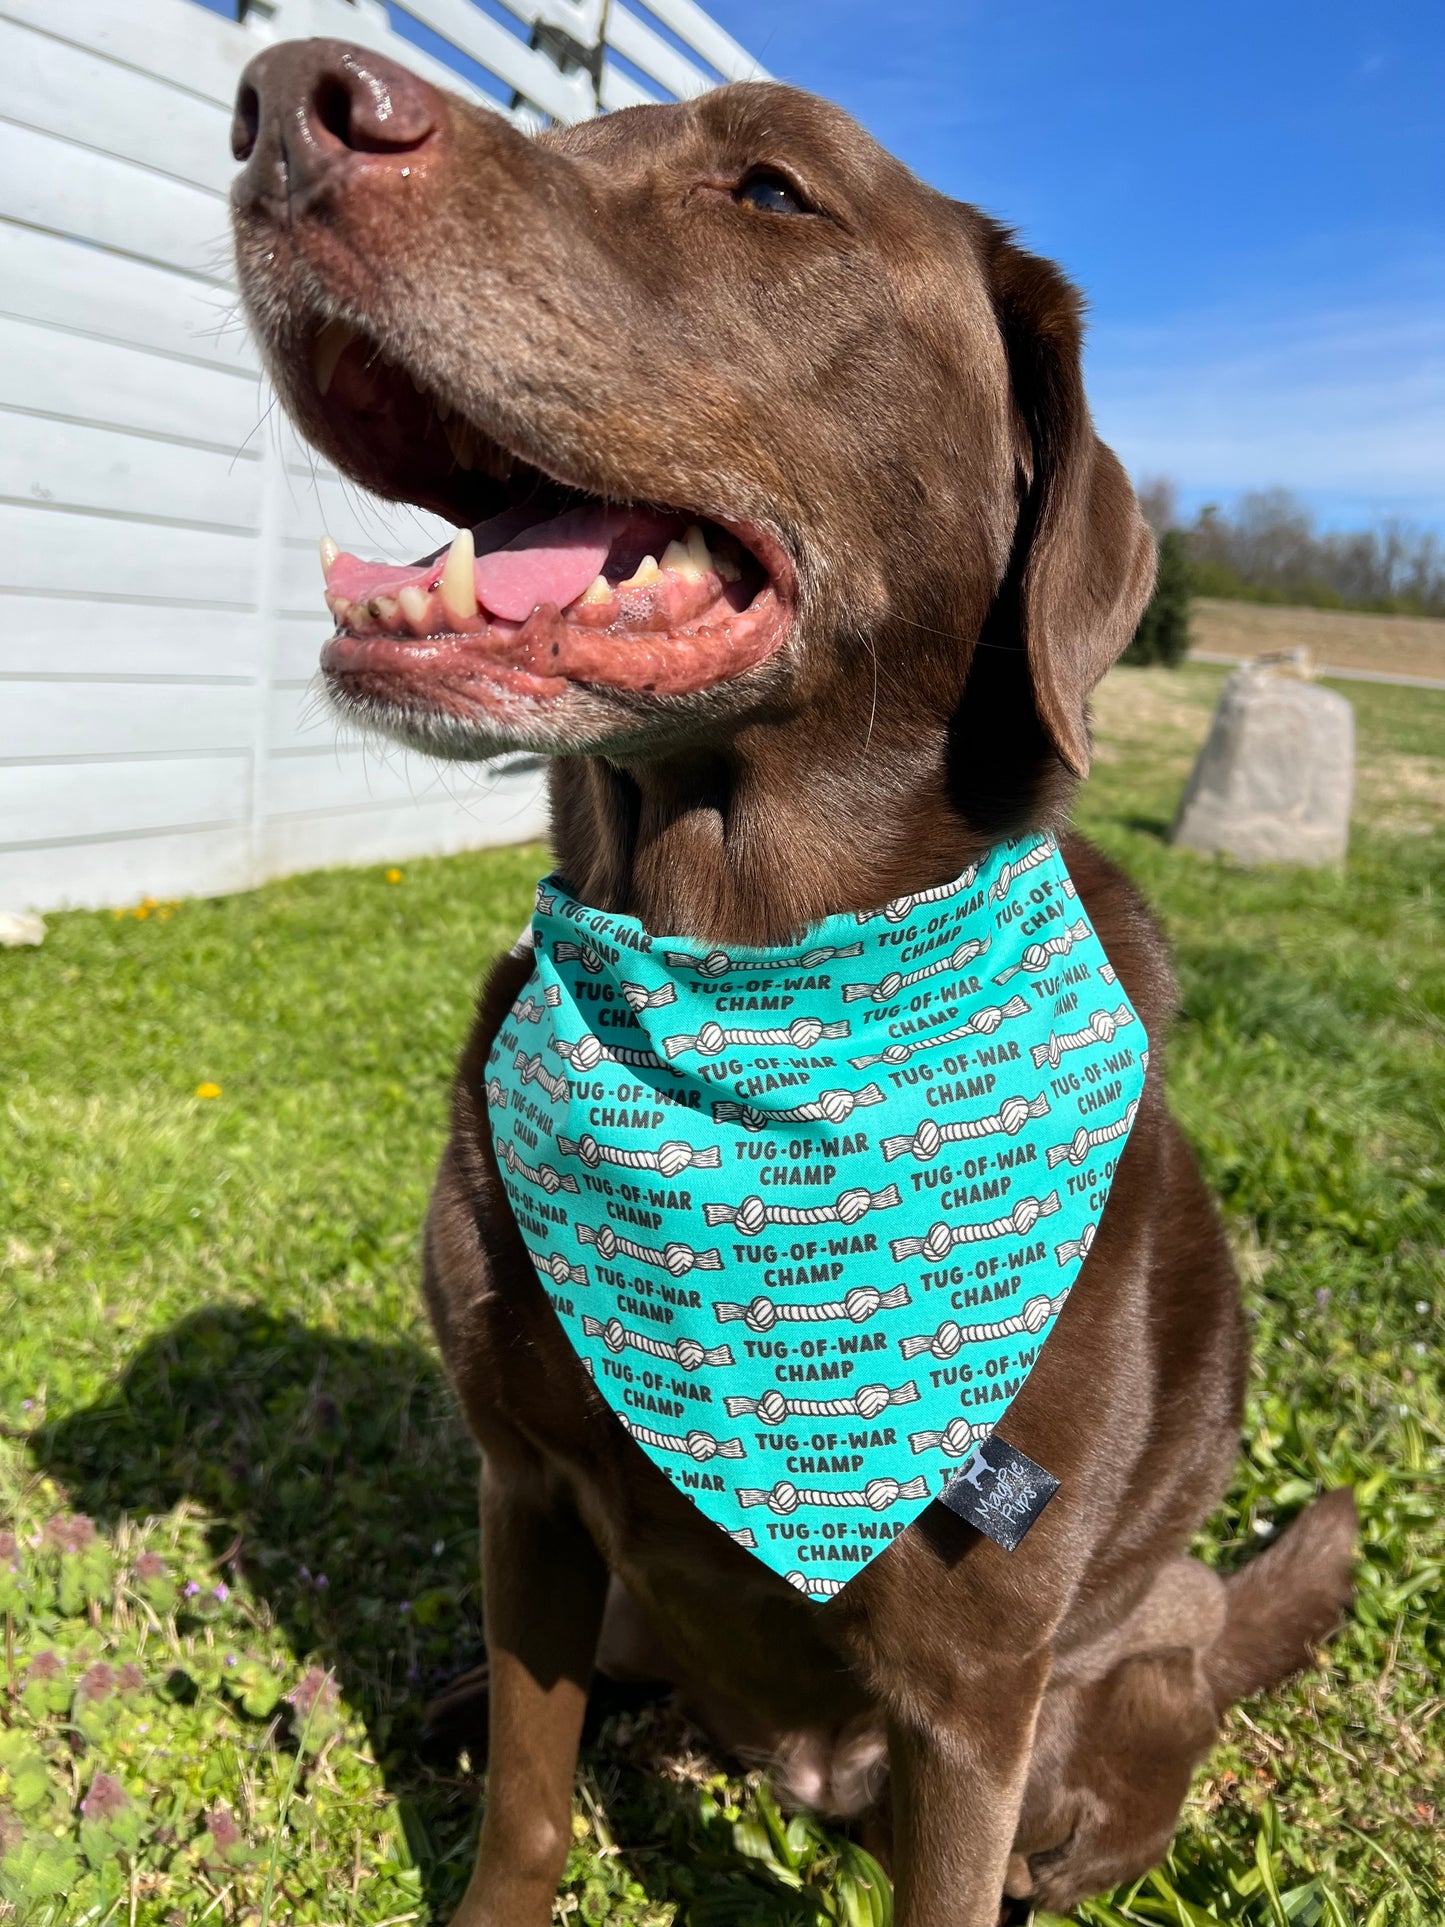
240, 1511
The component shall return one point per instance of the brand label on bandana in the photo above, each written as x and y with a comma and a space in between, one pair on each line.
809, 1215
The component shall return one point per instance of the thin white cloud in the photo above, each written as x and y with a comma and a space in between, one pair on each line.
1346, 404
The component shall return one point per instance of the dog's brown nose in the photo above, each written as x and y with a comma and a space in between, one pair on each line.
310, 111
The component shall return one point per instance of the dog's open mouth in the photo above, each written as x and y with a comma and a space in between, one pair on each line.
544, 585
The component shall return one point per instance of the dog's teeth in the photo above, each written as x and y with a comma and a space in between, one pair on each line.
384, 608
329, 552
599, 590
443, 411
681, 561
327, 349
458, 587
691, 557
644, 575
414, 603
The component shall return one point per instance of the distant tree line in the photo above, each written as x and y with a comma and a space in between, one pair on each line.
1267, 549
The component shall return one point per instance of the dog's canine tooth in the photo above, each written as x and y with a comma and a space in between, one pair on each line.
414, 603
443, 410
327, 349
644, 575
329, 552
458, 588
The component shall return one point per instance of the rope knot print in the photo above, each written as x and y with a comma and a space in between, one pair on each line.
809, 1214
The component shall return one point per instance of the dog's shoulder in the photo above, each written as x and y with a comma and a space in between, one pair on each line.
1129, 931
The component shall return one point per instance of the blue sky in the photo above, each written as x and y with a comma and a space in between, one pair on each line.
1251, 195
1250, 192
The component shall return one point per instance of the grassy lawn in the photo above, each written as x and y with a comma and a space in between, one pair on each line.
237, 1541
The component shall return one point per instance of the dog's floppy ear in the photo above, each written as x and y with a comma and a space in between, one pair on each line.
1084, 561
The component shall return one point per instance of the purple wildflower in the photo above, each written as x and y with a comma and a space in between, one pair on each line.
221, 1826
314, 1692
150, 1567
97, 1682
106, 1798
69, 1532
221, 1591
192, 1588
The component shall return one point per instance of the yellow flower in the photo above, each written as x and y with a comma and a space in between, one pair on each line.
393, 876
208, 1090
142, 912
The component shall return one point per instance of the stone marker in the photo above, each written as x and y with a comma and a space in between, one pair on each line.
1272, 783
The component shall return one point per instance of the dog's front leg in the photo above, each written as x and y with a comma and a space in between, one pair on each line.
544, 1584
958, 1783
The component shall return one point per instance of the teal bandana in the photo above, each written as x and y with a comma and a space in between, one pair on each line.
808, 1215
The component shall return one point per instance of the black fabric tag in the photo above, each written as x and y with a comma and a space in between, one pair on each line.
1000, 1491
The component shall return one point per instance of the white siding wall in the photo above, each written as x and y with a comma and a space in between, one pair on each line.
160, 598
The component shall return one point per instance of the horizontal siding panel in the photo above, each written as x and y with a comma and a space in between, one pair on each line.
57, 87
56, 719
40, 634
44, 803
46, 277
93, 555
514, 810
51, 183
298, 717
196, 50
296, 644
75, 466
298, 586
52, 372
346, 773
116, 870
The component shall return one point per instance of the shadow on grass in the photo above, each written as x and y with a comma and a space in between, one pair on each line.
1157, 827
343, 1490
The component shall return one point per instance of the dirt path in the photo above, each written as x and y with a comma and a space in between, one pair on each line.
1340, 639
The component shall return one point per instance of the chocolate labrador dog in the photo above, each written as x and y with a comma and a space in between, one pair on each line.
830, 559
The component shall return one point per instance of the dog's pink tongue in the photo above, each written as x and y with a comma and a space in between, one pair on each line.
549, 562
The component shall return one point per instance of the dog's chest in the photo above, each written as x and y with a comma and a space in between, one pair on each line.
809, 1216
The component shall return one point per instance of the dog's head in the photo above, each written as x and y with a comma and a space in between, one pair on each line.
745, 419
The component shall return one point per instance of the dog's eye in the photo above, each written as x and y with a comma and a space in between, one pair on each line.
772, 192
